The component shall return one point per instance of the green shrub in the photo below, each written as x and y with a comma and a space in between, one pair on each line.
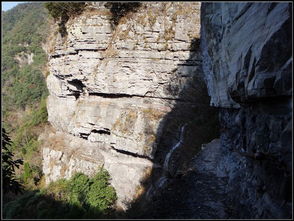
58, 189
101, 195
25, 136
31, 147
79, 197
27, 172
31, 175
38, 116
78, 187
23, 31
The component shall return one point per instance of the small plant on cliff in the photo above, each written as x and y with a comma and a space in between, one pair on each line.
119, 10
27, 171
63, 11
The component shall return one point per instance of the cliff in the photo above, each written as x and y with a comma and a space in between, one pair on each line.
111, 88
247, 63
247, 173
133, 96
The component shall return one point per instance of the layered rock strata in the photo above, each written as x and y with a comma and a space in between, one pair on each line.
111, 88
247, 63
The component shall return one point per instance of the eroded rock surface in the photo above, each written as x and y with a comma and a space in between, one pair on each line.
247, 173
247, 54
111, 88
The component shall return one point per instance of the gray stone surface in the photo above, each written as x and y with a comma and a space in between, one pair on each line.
110, 89
247, 50
119, 96
200, 193
247, 54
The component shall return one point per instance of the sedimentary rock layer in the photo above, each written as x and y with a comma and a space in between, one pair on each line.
112, 86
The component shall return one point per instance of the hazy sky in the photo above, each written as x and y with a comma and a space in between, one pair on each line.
8, 5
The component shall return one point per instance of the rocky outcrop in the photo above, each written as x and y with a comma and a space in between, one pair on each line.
131, 98
23, 58
247, 63
112, 87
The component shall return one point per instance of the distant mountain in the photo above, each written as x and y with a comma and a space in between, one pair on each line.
24, 28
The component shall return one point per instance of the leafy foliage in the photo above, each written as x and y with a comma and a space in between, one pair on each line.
100, 195
78, 189
27, 171
79, 197
23, 85
28, 88
8, 166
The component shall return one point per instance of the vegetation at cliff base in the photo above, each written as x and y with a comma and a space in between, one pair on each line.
79, 197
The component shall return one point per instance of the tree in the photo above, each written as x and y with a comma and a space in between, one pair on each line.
10, 183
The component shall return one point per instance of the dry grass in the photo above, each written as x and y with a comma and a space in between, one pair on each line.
169, 33
150, 140
110, 52
140, 190
152, 114
126, 122
41, 183
94, 11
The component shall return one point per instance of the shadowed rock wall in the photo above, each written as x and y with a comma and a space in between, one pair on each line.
247, 63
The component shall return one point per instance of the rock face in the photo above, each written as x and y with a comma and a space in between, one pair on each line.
131, 98
247, 63
112, 87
